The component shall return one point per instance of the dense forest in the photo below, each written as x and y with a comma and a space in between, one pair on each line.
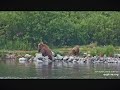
23, 30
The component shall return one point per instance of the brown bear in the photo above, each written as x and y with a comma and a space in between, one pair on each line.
75, 51
45, 50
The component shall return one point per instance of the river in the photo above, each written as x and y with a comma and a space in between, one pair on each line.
13, 69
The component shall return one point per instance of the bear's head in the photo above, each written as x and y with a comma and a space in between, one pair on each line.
40, 45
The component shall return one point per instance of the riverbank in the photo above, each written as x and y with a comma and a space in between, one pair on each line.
94, 50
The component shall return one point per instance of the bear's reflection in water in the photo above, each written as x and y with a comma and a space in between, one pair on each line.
43, 70
46, 71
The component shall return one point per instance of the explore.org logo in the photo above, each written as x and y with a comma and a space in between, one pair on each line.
108, 73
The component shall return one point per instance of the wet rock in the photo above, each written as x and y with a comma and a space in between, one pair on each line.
28, 56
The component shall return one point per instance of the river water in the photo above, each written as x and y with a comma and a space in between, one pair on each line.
13, 69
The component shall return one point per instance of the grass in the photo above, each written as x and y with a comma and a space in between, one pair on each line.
94, 50
17, 52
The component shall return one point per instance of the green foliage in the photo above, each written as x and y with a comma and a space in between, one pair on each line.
110, 50
92, 45
106, 50
57, 51
23, 30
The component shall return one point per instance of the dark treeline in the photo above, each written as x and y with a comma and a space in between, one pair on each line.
25, 29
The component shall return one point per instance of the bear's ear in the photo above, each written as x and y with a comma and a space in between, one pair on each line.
41, 42
38, 44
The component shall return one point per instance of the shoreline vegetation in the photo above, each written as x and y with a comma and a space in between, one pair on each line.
91, 49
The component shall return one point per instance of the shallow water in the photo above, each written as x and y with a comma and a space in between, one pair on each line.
13, 69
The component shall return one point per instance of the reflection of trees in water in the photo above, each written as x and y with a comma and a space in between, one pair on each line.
9, 61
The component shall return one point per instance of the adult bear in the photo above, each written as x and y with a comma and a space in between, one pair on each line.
75, 51
45, 50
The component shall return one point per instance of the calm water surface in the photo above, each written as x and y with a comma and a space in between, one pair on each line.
13, 69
